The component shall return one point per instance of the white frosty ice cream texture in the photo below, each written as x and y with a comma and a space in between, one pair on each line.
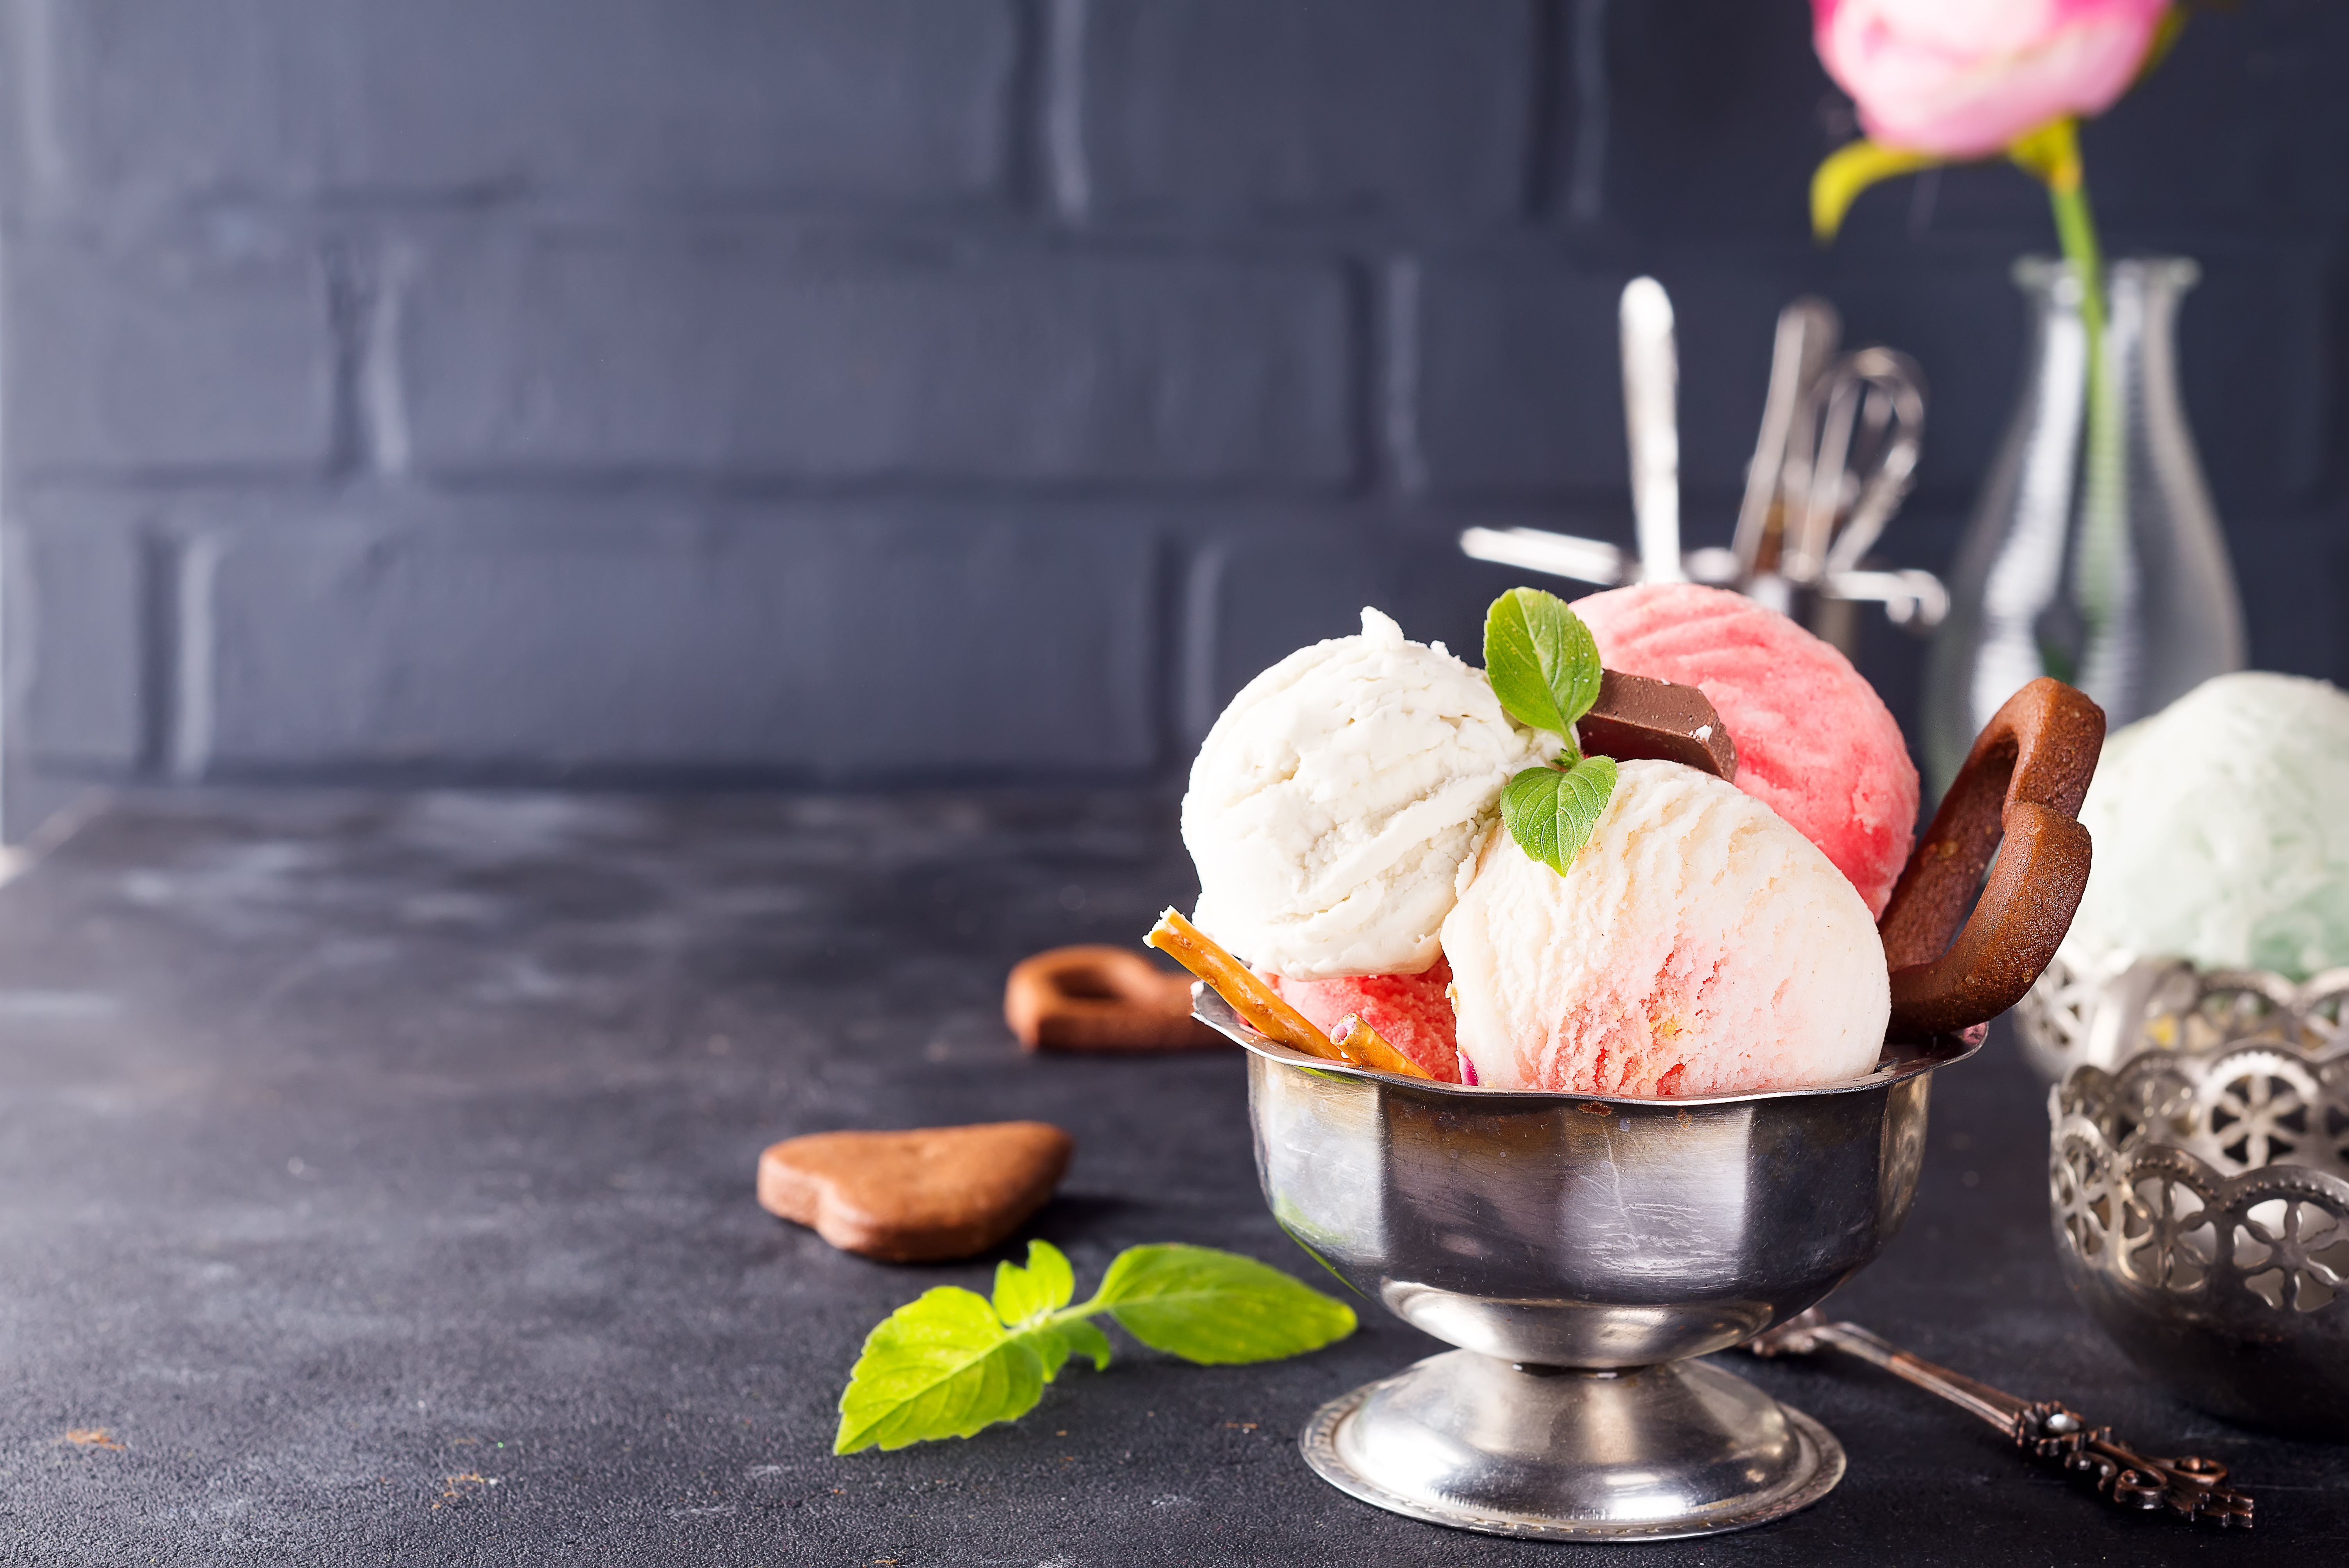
2220, 828
1696, 944
1335, 804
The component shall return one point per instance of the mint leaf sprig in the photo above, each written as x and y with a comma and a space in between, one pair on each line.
1542, 661
1552, 812
1544, 665
952, 1362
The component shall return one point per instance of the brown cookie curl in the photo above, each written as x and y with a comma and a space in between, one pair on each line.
2017, 797
1101, 998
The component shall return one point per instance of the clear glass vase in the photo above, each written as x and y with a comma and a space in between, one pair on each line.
2094, 554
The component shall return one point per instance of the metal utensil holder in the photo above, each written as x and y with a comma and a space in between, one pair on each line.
1836, 457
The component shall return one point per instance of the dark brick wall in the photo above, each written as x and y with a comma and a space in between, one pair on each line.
853, 391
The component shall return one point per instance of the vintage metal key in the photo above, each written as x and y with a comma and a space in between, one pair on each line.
2195, 1489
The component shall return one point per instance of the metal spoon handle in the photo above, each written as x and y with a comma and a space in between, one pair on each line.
1807, 331
2192, 1487
1978, 1399
1650, 387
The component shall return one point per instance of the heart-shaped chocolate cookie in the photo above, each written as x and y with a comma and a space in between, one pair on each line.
917, 1196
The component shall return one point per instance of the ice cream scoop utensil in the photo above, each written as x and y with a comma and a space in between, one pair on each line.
1862, 425
1807, 330
1585, 560
1911, 598
1650, 386
2017, 797
1892, 408
1263, 1009
2191, 1487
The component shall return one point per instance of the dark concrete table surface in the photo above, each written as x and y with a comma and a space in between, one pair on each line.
376, 1177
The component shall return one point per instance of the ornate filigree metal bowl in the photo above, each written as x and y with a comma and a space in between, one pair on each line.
2097, 1010
2201, 1210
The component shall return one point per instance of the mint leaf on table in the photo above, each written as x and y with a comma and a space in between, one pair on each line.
1075, 1337
1551, 812
1541, 659
1027, 1298
942, 1367
1024, 1296
1218, 1308
952, 1363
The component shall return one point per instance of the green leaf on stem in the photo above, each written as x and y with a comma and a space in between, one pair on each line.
1077, 1337
1551, 812
1541, 659
941, 1366
1218, 1308
1851, 168
951, 1362
1024, 1296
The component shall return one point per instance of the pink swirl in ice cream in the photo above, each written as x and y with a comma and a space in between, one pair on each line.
1696, 946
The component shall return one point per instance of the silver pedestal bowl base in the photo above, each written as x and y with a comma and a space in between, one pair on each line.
1464, 1439
1620, 1238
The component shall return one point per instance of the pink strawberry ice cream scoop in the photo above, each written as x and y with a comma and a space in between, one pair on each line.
1412, 1012
1695, 944
1815, 743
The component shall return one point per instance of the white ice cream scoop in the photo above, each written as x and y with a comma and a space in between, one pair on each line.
1334, 805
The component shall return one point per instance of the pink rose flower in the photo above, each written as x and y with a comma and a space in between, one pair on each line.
1962, 79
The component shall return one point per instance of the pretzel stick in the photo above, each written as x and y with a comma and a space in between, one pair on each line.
1260, 1006
1250, 997
1371, 1048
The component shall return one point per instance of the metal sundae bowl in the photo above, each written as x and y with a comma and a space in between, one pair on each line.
1580, 1252
2200, 1194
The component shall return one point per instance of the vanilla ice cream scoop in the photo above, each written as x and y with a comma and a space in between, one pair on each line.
1696, 944
1337, 802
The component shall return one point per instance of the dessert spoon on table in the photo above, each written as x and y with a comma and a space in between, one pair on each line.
2191, 1487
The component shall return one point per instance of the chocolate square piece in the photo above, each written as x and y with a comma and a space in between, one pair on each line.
1636, 717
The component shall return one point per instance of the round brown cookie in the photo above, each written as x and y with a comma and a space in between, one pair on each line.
1100, 999
2016, 797
919, 1196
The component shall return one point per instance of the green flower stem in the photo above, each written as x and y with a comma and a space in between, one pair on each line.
2101, 564
2104, 572
2076, 231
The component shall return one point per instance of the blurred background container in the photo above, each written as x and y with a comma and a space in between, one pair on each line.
850, 392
